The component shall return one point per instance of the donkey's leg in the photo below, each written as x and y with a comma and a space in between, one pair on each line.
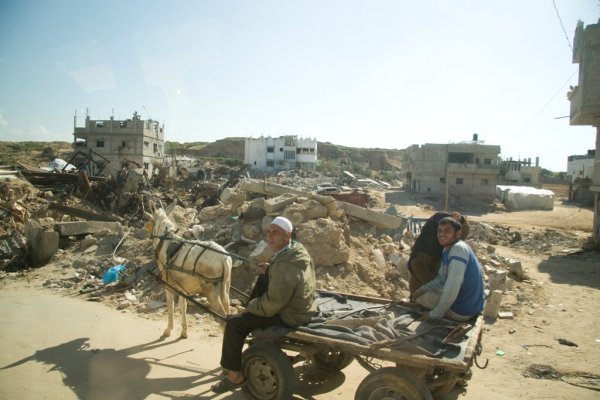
183, 311
170, 306
213, 295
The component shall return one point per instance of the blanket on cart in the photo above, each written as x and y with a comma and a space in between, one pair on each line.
385, 326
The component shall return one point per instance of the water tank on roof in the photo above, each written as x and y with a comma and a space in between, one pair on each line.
475, 137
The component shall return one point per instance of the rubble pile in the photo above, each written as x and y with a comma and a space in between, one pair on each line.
355, 249
542, 241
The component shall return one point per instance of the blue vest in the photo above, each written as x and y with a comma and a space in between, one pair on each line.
469, 300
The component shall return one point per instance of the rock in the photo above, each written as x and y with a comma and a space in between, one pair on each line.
516, 269
379, 258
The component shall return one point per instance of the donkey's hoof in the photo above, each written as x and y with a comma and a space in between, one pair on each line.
183, 335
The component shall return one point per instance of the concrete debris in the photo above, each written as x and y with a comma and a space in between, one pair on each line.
358, 241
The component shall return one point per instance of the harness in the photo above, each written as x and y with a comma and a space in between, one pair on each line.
173, 248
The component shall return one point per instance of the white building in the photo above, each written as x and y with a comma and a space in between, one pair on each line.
288, 152
581, 166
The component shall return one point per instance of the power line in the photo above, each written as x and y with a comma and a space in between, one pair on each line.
562, 25
542, 109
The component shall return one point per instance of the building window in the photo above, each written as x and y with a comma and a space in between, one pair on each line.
527, 180
289, 155
99, 124
487, 161
484, 182
99, 143
270, 149
442, 180
459, 181
155, 147
123, 144
147, 145
270, 163
123, 124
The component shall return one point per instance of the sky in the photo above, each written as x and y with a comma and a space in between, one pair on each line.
372, 74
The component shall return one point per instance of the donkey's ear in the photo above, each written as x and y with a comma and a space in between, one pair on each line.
151, 206
170, 207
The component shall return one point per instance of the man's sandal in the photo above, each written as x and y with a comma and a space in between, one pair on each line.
225, 385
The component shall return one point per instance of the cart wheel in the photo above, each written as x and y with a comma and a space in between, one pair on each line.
392, 384
269, 373
332, 360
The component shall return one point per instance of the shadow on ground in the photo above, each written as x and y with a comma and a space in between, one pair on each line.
112, 374
569, 270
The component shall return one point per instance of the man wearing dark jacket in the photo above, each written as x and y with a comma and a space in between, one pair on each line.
289, 300
426, 253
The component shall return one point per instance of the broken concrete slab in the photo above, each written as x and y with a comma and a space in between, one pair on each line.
42, 241
86, 227
378, 219
274, 204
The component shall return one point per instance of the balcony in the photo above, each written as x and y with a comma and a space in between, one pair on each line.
455, 168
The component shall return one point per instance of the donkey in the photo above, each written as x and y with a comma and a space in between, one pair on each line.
192, 268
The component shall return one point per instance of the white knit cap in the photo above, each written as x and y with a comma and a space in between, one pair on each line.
283, 223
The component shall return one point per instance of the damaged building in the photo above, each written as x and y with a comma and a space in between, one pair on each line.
521, 172
105, 147
585, 100
468, 168
288, 152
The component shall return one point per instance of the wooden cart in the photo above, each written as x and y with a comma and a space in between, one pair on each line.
398, 368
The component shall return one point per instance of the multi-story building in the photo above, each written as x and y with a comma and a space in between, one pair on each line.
585, 100
113, 144
288, 152
581, 166
520, 172
469, 168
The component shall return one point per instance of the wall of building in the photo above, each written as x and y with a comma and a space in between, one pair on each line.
580, 167
459, 169
585, 100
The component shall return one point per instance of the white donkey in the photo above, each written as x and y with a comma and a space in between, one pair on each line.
191, 268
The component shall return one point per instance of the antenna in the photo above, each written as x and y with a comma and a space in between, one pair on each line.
147, 115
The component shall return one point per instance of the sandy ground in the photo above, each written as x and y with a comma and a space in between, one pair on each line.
57, 347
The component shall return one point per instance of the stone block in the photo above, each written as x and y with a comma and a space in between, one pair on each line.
274, 204
86, 227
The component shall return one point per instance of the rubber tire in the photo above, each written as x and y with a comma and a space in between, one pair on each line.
269, 373
392, 384
332, 360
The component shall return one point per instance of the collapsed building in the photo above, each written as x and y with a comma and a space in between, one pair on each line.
105, 147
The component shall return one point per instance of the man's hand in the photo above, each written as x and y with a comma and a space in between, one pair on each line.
263, 267
457, 216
